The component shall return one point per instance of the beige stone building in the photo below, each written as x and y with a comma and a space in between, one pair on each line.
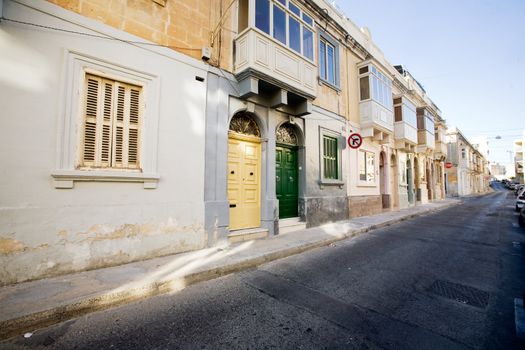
468, 171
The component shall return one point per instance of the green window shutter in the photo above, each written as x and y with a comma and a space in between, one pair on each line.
331, 169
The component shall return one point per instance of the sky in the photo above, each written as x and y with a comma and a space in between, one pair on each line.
468, 54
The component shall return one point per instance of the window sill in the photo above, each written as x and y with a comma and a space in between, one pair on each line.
67, 178
330, 85
366, 184
328, 182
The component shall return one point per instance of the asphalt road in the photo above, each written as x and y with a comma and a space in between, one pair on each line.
442, 281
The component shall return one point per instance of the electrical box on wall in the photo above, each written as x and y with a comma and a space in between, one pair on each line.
206, 53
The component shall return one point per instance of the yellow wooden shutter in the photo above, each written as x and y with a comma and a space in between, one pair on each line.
118, 145
111, 124
90, 120
133, 143
105, 145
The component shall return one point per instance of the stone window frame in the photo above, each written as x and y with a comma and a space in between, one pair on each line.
67, 171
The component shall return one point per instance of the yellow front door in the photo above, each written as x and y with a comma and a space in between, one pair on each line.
244, 167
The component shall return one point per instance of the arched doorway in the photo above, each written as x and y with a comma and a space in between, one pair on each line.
429, 181
286, 171
394, 184
417, 179
410, 182
244, 171
382, 181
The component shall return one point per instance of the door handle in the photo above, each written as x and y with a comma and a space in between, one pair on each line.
251, 174
233, 205
232, 172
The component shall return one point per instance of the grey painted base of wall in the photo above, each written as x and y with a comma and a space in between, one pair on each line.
364, 205
216, 222
320, 210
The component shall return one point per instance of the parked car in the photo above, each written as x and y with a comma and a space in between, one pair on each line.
518, 189
520, 200
521, 218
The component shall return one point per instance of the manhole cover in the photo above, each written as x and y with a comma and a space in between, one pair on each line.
460, 293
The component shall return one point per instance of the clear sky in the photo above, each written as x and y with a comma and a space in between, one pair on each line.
468, 54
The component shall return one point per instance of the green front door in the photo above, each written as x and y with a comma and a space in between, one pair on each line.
287, 183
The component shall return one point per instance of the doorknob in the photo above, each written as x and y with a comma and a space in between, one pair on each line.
232, 172
251, 174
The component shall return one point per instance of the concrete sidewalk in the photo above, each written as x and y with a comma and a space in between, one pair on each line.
32, 305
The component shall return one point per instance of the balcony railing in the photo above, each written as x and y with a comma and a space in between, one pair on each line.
260, 55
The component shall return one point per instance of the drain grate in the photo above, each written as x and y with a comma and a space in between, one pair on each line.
460, 293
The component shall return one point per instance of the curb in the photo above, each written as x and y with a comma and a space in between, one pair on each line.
103, 301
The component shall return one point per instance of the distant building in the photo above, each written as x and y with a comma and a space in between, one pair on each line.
467, 172
519, 148
497, 170
481, 143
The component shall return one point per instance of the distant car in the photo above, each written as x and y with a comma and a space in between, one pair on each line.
521, 218
520, 200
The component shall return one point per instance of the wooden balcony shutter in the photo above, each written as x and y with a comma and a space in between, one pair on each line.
112, 124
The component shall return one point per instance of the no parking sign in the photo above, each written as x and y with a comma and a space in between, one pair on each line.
355, 140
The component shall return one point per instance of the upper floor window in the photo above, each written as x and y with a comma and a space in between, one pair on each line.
404, 110
328, 59
425, 120
375, 85
287, 23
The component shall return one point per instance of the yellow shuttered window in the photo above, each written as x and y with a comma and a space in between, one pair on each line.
112, 119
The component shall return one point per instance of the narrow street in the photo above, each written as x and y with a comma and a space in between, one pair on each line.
442, 281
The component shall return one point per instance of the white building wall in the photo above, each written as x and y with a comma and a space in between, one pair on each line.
46, 230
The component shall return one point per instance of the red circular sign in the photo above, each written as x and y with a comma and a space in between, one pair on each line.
355, 140
448, 165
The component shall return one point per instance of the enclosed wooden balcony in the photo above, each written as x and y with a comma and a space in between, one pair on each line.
259, 57
425, 131
375, 106
405, 125
274, 54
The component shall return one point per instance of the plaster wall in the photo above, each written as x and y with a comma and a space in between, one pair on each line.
47, 231
323, 201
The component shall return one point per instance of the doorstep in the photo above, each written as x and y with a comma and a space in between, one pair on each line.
290, 225
247, 234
